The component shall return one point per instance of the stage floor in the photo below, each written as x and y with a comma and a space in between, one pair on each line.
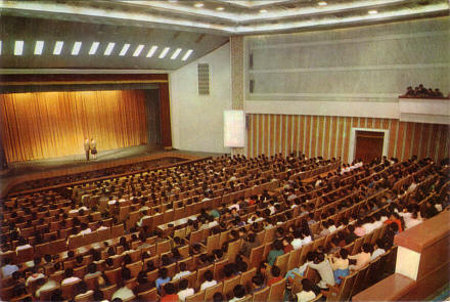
67, 162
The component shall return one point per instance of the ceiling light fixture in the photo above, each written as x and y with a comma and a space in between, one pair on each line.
94, 48
152, 51
175, 54
187, 55
373, 12
18, 48
76, 48
1, 44
58, 48
38, 48
164, 52
263, 11
322, 3
220, 8
198, 5
138, 50
124, 49
109, 48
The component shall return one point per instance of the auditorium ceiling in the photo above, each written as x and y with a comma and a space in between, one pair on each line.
165, 35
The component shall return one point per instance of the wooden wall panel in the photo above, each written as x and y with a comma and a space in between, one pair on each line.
330, 136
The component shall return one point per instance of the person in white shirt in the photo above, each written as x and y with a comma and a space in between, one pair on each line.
69, 277
331, 227
183, 272
239, 293
307, 293
184, 290
297, 242
145, 216
209, 281
34, 276
379, 244
85, 229
44, 286
325, 271
22, 244
414, 220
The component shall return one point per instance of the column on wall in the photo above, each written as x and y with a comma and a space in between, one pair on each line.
237, 79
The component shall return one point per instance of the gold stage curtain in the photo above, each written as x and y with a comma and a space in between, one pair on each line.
52, 124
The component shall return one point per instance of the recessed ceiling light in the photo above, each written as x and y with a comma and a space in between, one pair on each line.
138, 50
263, 11
109, 48
198, 4
373, 12
76, 48
124, 49
220, 8
18, 48
164, 52
94, 48
58, 48
175, 54
187, 55
152, 51
322, 3
38, 47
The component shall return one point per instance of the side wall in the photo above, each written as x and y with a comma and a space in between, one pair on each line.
197, 120
346, 72
330, 136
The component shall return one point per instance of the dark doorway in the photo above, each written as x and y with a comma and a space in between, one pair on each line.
369, 145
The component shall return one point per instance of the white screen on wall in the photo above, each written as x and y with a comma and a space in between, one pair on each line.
234, 128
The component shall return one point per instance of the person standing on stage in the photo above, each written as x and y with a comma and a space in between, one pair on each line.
93, 148
87, 147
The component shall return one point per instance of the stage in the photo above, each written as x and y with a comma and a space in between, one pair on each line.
19, 172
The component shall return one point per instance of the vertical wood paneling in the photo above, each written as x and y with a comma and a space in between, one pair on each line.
272, 134
400, 139
408, 140
261, 134
296, 129
330, 136
308, 135
283, 134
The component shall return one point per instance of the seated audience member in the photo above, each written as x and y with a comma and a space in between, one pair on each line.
209, 280
124, 292
362, 258
170, 295
277, 250
249, 243
162, 279
82, 290
22, 245
307, 293
379, 249
8, 269
35, 274
218, 297
275, 272
340, 265
238, 292
183, 272
359, 230
143, 283
310, 256
324, 269
395, 218
257, 283
69, 277
184, 290
42, 285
